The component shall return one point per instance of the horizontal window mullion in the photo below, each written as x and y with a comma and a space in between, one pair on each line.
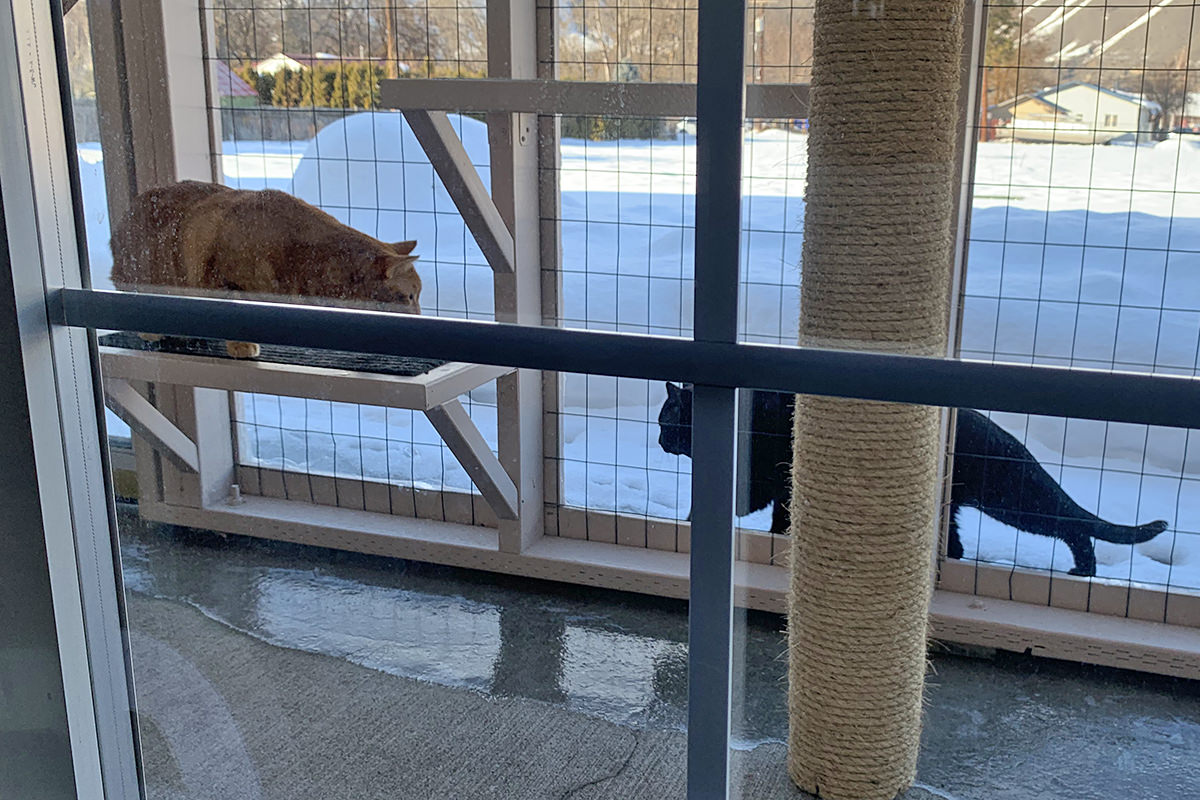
1057, 391
585, 98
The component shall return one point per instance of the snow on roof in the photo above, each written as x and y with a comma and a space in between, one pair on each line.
306, 60
1149, 105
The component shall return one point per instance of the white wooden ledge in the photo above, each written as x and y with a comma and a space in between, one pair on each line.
418, 392
435, 393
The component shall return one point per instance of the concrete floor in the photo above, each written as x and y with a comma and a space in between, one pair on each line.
270, 670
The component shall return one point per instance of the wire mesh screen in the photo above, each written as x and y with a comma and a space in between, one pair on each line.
626, 216
1079, 497
357, 456
1084, 250
626, 40
296, 90
655, 40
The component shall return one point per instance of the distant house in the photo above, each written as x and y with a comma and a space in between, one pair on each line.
232, 90
1028, 107
1077, 112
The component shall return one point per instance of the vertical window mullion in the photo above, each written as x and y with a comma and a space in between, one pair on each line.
719, 115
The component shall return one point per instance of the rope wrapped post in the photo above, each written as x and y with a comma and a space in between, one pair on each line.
876, 276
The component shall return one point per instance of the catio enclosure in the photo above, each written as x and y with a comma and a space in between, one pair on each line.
546, 164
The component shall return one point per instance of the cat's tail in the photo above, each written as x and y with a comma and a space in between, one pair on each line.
1070, 522
1129, 534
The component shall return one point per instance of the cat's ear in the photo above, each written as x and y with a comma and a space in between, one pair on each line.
672, 391
404, 248
395, 267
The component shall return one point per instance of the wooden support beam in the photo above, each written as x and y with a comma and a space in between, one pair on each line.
546, 96
106, 36
512, 54
146, 420
211, 418
459, 433
449, 158
549, 166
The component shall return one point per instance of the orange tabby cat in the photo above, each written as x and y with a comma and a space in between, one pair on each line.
209, 237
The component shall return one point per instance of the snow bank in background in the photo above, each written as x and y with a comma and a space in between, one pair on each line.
370, 172
1059, 276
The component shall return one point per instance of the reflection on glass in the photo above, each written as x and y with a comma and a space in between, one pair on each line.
1073, 515
366, 171
250, 657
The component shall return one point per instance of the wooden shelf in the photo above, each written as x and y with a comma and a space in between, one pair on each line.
178, 434
419, 392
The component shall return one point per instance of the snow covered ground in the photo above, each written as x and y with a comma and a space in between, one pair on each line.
1080, 255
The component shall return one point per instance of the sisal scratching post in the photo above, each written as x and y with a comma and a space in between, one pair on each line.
876, 274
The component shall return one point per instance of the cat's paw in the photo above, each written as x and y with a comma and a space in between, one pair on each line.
242, 349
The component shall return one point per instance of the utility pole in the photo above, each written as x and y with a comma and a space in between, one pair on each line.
390, 56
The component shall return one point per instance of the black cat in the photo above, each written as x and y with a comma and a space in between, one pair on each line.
993, 472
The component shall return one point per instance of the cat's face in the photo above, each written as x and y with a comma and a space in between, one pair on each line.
675, 421
400, 277
393, 278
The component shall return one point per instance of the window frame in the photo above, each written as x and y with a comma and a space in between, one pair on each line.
60, 362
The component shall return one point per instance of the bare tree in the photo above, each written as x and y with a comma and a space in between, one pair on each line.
656, 40
1014, 58
391, 59
1169, 88
780, 47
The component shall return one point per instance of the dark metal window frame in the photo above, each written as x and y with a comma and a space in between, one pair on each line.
712, 359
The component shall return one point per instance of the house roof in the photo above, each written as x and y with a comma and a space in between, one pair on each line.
1024, 98
230, 84
1149, 105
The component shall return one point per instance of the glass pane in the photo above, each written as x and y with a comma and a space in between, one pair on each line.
293, 107
369, 174
1079, 247
627, 40
339, 453
627, 225
307, 615
1135, 478
1083, 224
1036, 519
86, 109
617, 483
